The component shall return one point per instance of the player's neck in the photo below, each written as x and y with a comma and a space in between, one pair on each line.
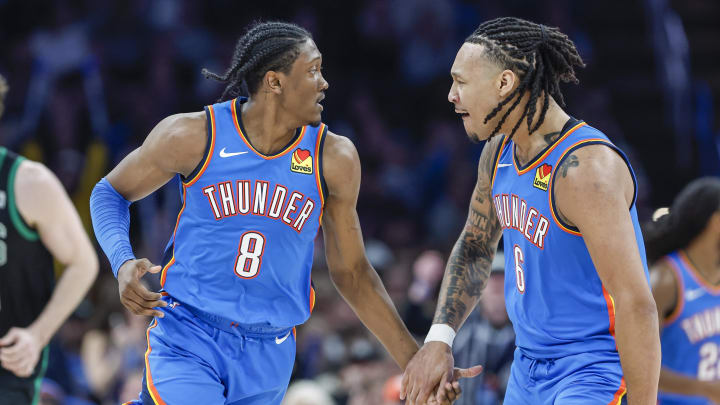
705, 257
529, 145
266, 127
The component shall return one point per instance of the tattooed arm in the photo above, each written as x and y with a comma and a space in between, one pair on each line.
466, 273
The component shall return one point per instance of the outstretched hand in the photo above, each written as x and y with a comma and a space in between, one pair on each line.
432, 366
133, 294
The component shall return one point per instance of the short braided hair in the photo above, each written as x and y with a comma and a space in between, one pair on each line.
541, 57
265, 46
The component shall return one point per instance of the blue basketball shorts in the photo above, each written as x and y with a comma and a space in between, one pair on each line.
582, 379
194, 357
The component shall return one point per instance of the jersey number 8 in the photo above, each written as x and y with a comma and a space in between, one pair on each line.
250, 252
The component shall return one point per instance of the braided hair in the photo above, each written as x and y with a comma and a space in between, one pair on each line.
541, 57
688, 217
265, 46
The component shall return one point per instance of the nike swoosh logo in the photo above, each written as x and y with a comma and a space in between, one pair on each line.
504, 165
692, 295
278, 340
224, 154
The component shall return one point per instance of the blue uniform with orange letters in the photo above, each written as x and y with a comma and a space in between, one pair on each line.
236, 271
562, 315
690, 337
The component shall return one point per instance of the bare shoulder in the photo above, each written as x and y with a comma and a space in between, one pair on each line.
662, 278
592, 171
184, 128
338, 150
178, 140
486, 164
341, 163
38, 191
35, 176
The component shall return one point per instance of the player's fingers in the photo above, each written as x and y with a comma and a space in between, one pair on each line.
155, 269
456, 389
16, 351
13, 364
137, 309
145, 297
468, 372
450, 393
143, 266
10, 337
403, 385
440, 395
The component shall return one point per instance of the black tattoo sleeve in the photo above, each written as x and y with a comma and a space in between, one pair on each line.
468, 267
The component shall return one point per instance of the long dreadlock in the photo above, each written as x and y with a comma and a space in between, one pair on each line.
265, 46
541, 57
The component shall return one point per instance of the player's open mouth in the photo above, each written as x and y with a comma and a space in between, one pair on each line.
321, 98
463, 114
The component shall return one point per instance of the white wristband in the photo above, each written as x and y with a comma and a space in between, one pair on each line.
441, 332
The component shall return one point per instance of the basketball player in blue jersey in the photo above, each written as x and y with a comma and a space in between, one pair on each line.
684, 247
258, 175
562, 196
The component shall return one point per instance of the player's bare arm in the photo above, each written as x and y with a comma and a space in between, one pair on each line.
349, 268
61, 231
665, 291
175, 145
466, 273
593, 191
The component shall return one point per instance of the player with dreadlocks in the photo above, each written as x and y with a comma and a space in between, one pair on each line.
562, 196
684, 249
258, 176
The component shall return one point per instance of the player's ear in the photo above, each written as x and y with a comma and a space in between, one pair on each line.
273, 81
505, 82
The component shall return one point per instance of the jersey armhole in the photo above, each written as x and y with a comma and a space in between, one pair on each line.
207, 155
496, 160
21, 226
551, 190
679, 303
320, 145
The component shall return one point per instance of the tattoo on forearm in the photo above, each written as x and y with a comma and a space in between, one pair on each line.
569, 162
468, 267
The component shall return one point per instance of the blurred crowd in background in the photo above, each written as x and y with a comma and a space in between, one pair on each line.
89, 79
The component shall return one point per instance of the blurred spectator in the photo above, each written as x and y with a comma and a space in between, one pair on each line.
305, 392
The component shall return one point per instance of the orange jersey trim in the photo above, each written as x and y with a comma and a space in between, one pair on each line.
210, 150
552, 180
317, 171
695, 274
497, 160
545, 154
619, 394
165, 269
312, 299
611, 310
680, 304
249, 145
148, 377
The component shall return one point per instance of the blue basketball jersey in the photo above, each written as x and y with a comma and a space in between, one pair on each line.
243, 242
690, 337
554, 296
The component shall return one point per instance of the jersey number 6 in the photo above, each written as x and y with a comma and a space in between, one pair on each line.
250, 251
519, 273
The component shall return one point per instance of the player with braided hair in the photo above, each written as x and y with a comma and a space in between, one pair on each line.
259, 175
562, 196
